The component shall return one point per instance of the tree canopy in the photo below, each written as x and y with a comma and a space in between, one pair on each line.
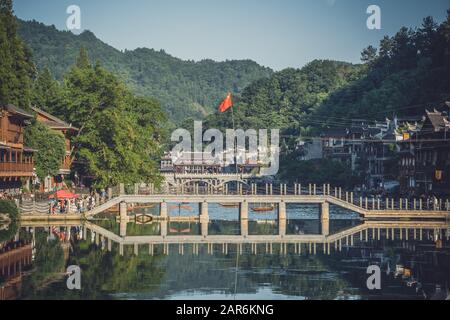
50, 146
16, 68
120, 135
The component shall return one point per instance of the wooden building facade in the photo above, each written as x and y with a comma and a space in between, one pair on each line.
16, 161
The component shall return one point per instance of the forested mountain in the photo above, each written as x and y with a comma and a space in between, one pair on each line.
284, 100
406, 74
185, 88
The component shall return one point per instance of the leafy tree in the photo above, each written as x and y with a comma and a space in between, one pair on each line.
48, 263
48, 94
50, 146
16, 68
369, 55
120, 135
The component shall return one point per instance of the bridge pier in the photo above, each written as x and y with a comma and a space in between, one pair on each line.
123, 218
163, 210
204, 218
325, 218
164, 228
282, 219
243, 217
123, 228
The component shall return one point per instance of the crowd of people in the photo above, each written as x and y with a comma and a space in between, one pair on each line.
6, 196
72, 206
67, 206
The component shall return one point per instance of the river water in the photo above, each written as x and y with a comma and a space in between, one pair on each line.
414, 259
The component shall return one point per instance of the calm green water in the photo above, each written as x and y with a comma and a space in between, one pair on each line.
413, 268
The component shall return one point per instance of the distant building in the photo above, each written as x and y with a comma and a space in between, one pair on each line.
405, 136
16, 161
54, 123
335, 146
411, 153
310, 149
369, 148
432, 154
196, 163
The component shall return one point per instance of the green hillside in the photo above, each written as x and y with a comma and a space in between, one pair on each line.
408, 73
185, 88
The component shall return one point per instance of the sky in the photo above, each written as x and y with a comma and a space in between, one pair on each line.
274, 33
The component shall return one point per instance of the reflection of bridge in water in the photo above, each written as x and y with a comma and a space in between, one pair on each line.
312, 244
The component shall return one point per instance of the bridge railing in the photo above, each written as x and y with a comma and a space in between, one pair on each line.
374, 203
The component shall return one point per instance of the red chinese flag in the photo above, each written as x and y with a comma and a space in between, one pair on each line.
226, 104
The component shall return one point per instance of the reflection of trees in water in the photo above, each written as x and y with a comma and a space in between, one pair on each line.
133, 229
106, 272
295, 275
311, 276
221, 227
48, 262
263, 227
8, 231
424, 263
289, 275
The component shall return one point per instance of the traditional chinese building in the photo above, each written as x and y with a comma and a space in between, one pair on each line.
16, 161
405, 136
335, 145
68, 131
200, 163
432, 154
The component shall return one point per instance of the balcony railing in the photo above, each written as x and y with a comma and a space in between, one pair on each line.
16, 167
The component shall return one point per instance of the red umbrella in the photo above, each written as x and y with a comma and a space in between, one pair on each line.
64, 194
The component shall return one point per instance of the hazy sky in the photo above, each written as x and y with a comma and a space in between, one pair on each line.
274, 33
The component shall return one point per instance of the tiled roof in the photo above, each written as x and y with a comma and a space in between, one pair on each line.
54, 122
15, 110
437, 120
334, 133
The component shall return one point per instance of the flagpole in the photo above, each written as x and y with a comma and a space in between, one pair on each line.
234, 142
